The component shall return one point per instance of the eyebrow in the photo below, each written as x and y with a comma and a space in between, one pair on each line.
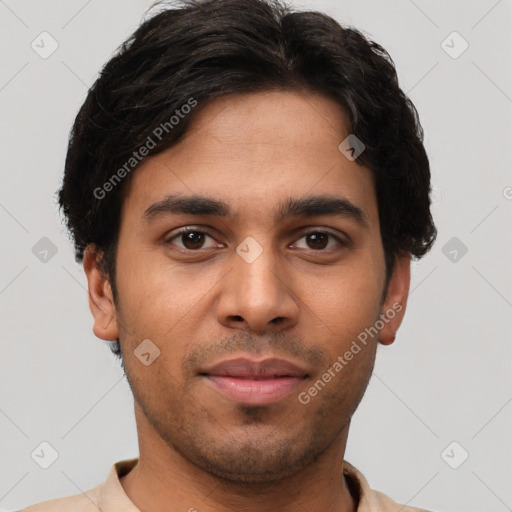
309, 206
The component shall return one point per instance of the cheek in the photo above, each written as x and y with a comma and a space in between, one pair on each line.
159, 302
140, 297
346, 302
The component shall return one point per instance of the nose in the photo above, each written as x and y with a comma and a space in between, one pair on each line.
257, 295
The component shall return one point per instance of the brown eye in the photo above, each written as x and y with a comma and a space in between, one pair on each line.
317, 240
191, 240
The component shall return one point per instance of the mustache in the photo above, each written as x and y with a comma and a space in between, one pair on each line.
275, 344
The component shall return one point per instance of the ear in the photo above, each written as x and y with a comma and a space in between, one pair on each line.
393, 309
101, 301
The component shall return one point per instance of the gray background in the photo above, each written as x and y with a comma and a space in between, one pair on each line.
446, 378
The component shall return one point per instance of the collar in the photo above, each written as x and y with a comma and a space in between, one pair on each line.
112, 496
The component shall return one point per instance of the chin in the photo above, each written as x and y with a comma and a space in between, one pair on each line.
254, 454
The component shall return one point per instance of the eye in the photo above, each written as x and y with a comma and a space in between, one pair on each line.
319, 240
191, 239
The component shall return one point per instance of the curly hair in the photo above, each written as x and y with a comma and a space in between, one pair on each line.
205, 49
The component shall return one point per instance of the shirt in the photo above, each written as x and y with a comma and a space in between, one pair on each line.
109, 496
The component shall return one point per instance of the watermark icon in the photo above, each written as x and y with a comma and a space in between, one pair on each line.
144, 150
249, 250
44, 45
305, 396
454, 45
507, 193
146, 352
44, 250
44, 455
351, 147
454, 455
454, 249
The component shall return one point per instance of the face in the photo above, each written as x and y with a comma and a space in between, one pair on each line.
250, 256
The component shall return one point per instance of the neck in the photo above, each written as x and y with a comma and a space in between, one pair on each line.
163, 480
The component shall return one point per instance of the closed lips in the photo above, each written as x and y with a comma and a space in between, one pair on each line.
257, 383
246, 369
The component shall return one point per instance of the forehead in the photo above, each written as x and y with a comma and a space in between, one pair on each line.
251, 151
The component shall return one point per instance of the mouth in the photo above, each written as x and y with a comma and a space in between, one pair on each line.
255, 382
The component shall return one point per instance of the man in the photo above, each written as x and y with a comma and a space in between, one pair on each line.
246, 186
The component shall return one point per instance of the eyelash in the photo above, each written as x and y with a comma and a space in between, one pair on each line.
177, 234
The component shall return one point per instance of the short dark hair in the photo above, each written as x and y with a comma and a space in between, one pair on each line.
196, 51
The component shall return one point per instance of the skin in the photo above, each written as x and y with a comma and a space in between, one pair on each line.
304, 299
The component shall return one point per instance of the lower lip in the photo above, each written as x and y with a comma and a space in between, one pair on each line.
255, 392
